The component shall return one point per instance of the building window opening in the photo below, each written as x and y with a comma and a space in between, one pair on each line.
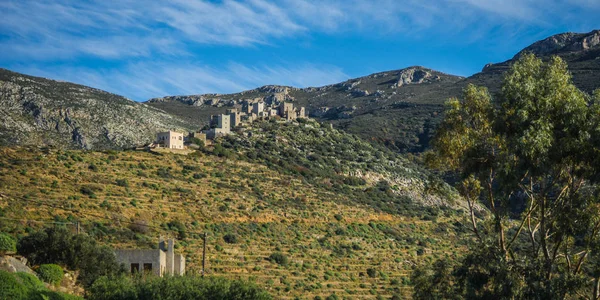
148, 268
135, 268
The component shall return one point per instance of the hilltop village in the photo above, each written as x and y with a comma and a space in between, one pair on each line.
234, 118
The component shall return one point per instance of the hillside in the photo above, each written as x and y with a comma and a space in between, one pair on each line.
401, 108
39, 111
335, 241
341, 162
397, 108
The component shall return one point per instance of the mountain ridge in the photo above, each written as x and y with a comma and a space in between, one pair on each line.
397, 108
38, 110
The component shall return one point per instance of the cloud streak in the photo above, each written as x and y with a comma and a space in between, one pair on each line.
131, 28
154, 79
154, 48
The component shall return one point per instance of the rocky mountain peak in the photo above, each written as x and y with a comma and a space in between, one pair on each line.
415, 75
564, 42
273, 89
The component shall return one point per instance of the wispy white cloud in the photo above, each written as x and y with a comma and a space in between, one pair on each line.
150, 48
129, 28
147, 80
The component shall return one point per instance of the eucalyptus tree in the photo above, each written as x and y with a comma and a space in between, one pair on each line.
528, 163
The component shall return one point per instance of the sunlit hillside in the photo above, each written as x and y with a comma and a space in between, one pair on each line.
249, 211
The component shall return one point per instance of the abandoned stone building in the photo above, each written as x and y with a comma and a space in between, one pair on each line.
159, 261
222, 125
170, 139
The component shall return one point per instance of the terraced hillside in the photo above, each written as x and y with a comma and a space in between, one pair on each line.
293, 236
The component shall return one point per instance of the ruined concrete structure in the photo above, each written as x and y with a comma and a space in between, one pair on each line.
159, 261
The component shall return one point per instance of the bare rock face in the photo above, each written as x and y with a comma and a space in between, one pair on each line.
414, 75
13, 265
274, 89
194, 100
564, 42
359, 93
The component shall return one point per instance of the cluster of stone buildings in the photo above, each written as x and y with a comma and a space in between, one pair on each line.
223, 124
159, 261
249, 112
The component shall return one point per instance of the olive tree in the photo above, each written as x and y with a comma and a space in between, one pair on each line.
530, 160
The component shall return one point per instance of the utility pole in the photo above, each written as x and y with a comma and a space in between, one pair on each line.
204, 255
77, 227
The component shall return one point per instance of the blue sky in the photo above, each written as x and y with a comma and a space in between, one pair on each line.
144, 48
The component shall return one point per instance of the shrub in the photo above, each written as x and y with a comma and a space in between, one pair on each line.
50, 273
332, 297
371, 272
179, 227
174, 288
230, 238
75, 251
10, 288
122, 182
279, 258
7, 244
30, 281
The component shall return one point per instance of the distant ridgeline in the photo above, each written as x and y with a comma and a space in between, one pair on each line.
399, 109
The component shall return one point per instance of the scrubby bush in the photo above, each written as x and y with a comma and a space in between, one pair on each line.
176, 225
7, 244
174, 288
24, 286
10, 287
122, 182
371, 272
50, 273
278, 258
230, 238
30, 281
75, 251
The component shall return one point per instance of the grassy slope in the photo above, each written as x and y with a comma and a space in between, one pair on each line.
265, 210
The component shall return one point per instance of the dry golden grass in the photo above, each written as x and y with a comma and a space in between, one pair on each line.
267, 212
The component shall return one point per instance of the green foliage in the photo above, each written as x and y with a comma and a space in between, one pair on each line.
176, 225
531, 160
30, 281
323, 156
122, 182
10, 287
24, 286
77, 252
50, 273
7, 244
278, 258
230, 238
372, 272
174, 288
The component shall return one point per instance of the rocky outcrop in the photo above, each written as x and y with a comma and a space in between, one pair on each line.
13, 265
564, 42
414, 75
38, 111
194, 100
